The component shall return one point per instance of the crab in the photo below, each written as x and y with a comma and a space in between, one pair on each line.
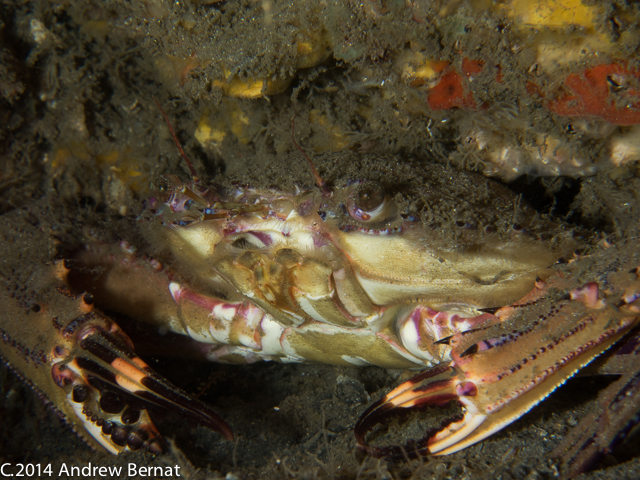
336, 275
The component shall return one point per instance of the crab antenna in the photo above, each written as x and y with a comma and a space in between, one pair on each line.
321, 183
194, 174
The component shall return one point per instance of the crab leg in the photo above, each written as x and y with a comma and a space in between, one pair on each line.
233, 328
612, 420
616, 414
241, 332
84, 366
499, 374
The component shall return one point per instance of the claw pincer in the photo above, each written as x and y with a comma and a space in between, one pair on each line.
498, 373
95, 380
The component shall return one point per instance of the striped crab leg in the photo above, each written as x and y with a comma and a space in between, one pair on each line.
242, 332
500, 373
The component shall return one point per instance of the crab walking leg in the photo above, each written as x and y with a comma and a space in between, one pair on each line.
498, 374
84, 366
232, 328
608, 425
241, 332
616, 415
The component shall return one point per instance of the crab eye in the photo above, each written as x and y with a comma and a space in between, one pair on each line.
164, 186
368, 203
369, 196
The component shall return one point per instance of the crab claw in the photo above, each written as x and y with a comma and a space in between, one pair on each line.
433, 387
498, 374
110, 388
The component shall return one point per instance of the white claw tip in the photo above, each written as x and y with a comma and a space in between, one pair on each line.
175, 290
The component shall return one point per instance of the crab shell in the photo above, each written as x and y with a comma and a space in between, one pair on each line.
332, 282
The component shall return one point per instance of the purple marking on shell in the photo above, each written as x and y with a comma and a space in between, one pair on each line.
61, 375
177, 202
371, 231
263, 237
153, 203
416, 316
59, 352
491, 343
202, 301
467, 389
319, 241
230, 229
305, 208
